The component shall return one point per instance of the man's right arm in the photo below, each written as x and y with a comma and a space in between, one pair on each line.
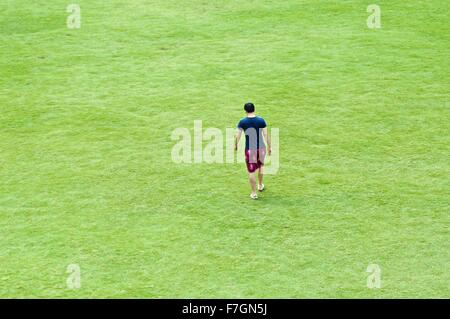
267, 139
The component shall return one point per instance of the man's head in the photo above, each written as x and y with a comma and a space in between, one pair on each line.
249, 107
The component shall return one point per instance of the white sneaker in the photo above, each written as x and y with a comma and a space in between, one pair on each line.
253, 196
261, 187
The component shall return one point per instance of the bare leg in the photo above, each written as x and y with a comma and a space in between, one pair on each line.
252, 180
261, 175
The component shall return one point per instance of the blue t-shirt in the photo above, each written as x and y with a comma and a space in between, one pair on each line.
253, 128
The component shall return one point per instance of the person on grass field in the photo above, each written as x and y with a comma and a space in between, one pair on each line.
256, 136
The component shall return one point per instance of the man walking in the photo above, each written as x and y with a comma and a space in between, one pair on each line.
256, 137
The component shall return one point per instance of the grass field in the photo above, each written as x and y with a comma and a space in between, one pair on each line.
87, 178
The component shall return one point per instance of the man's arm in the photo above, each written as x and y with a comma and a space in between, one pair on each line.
267, 140
237, 138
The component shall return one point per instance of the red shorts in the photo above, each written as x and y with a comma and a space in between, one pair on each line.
255, 159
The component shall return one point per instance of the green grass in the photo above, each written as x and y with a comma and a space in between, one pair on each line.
86, 175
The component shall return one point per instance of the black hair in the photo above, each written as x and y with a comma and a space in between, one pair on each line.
249, 107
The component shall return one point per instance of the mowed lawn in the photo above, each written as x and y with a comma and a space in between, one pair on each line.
86, 175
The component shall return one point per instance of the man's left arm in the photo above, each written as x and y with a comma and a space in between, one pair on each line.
237, 138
